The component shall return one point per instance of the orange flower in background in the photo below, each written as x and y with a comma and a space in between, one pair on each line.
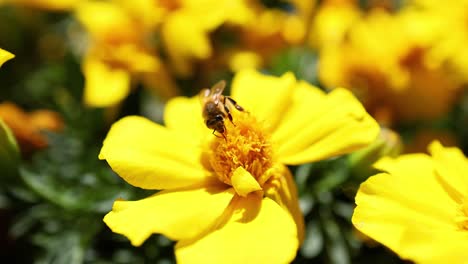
28, 127
231, 199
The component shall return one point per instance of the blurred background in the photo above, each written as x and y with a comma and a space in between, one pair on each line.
80, 65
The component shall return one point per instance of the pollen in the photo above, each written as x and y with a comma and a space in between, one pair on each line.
245, 145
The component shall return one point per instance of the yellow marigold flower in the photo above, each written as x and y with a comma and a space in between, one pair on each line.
384, 59
419, 206
231, 200
185, 31
5, 56
118, 51
263, 37
332, 21
449, 47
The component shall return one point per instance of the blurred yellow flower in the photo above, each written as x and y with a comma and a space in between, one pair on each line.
331, 23
5, 56
268, 33
186, 30
119, 50
384, 59
233, 199
419, 206
449, 47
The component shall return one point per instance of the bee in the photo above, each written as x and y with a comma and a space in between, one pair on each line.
216, 107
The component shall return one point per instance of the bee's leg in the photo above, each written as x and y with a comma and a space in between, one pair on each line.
224, 133
233, 102
217, 135
226, 109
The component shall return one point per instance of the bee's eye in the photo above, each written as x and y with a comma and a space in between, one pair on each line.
219, 117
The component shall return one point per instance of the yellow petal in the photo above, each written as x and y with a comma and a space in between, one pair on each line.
243, 182
414, 180
257, 231
185, 115
105, 21
452, 166
150, 156
177, 29
4, 56
334, 125
177, 214
266, 97
409, 198
305, 98
104, 85
418, 245
242, 59
286, 196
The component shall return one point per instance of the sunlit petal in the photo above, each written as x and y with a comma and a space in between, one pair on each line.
336, 125
450, 164
4, 56
185, 115
243, 182
286, 196
265, 97
150, 156
197, 210
257, 231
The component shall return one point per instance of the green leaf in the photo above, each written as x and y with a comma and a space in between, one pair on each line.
336, 246
313, 243
302, 61
9, 151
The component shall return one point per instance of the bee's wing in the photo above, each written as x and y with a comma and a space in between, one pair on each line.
204, 95
217, 90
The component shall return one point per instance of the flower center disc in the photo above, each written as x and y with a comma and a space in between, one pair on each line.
245, 145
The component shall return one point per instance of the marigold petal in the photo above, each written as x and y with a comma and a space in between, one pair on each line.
418, 245
388, 205
4, 56
451, 165
177, 214
150, 156
266, 97
257, 231
179, 27
334, 126
286, 196
243, 182
303, 97
185, 115
104, 85
105, 21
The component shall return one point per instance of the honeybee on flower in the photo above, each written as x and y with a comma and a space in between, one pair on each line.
217, 195
216, 107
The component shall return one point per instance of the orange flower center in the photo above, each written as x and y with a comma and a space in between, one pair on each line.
462, 215
246, 145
